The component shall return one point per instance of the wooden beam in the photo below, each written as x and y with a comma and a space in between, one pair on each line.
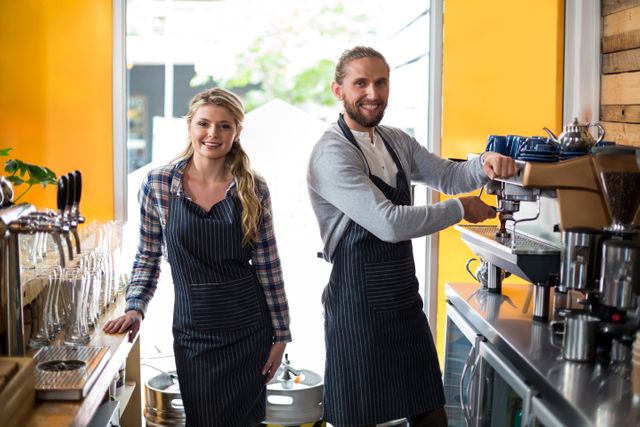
622, 133
622, 22
619, 62
620, 113
622, 41
613, 6
623, 88
621, 30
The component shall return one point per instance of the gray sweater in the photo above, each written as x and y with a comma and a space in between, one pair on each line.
341, 191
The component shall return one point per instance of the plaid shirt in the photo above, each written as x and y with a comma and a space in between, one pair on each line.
154, 211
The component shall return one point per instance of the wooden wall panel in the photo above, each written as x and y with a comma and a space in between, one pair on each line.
620, 113
621, 30
612, 6
622, 133
623, 88
622, 22
619, 62
621, 41
620, 80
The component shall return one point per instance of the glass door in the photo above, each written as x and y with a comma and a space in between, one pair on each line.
460, 359
503, 397
542, 415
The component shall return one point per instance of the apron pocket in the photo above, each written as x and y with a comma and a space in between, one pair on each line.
224, 306
391, 285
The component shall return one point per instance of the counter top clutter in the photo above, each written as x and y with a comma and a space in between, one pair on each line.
57, 367
76, 405
514, 372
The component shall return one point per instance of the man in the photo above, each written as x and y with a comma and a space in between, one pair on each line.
381, 362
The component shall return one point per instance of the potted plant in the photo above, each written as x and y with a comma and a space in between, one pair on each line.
19, 172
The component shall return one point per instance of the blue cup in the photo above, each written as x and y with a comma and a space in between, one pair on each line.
498, 143
514, 142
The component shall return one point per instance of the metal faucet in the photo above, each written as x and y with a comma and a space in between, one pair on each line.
16, 220
12, 326
287, 370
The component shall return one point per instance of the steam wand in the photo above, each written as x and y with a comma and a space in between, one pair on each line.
516, 221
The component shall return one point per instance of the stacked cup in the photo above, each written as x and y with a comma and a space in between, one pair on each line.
635, 367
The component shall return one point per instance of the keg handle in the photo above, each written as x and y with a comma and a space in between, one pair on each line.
171, 375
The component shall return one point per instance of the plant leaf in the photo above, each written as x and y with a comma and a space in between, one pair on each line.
15, 180
10, 166
36, 172
28, 174
5, 151
22, 167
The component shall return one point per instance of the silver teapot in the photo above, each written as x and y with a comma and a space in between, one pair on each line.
576, 136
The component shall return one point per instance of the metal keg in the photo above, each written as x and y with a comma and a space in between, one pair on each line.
163, 402
294, 397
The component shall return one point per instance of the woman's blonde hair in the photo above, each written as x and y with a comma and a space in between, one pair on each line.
237, 160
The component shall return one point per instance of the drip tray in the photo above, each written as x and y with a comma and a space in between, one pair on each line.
530, 259
66, 372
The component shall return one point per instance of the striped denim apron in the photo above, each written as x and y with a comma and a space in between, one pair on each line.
221, 325
381, 359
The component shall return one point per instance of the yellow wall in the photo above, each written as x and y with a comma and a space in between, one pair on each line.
502, 74
55, 94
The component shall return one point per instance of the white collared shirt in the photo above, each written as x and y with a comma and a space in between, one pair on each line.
380, 161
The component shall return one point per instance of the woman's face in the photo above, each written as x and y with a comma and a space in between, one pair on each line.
212, 131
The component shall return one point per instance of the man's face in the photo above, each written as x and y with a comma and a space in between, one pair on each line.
364, 92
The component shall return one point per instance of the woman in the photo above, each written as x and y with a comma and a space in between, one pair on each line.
212, 214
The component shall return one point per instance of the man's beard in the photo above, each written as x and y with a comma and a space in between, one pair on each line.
354, 113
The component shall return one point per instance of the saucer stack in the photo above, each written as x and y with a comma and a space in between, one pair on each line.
546, 156
567, 155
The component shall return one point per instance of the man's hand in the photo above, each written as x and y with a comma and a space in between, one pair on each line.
475, 210
273, 362
498, 166
129, 321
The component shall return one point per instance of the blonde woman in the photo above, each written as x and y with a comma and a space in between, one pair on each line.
212, 214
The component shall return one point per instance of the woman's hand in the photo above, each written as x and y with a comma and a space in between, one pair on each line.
274, 360
129, 321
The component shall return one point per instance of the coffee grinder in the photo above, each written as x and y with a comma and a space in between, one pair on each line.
619, 279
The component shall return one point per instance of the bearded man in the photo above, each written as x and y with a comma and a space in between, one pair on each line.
381, 361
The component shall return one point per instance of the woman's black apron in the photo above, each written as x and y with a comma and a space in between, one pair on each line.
381, 359
221, 325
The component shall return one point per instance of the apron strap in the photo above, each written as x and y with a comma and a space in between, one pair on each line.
393, 154
349, 135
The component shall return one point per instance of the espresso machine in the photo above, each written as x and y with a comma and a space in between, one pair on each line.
589, 252
523, 244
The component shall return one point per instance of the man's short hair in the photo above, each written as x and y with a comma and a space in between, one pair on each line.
353, 54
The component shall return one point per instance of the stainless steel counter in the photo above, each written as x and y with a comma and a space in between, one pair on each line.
588, 394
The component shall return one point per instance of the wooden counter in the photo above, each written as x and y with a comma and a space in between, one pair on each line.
79, 413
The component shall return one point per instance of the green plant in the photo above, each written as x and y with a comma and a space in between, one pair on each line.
25, 173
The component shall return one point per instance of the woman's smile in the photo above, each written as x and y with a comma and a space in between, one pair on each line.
212, 131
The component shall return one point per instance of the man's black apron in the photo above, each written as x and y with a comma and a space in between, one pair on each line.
381, 360
221, 325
